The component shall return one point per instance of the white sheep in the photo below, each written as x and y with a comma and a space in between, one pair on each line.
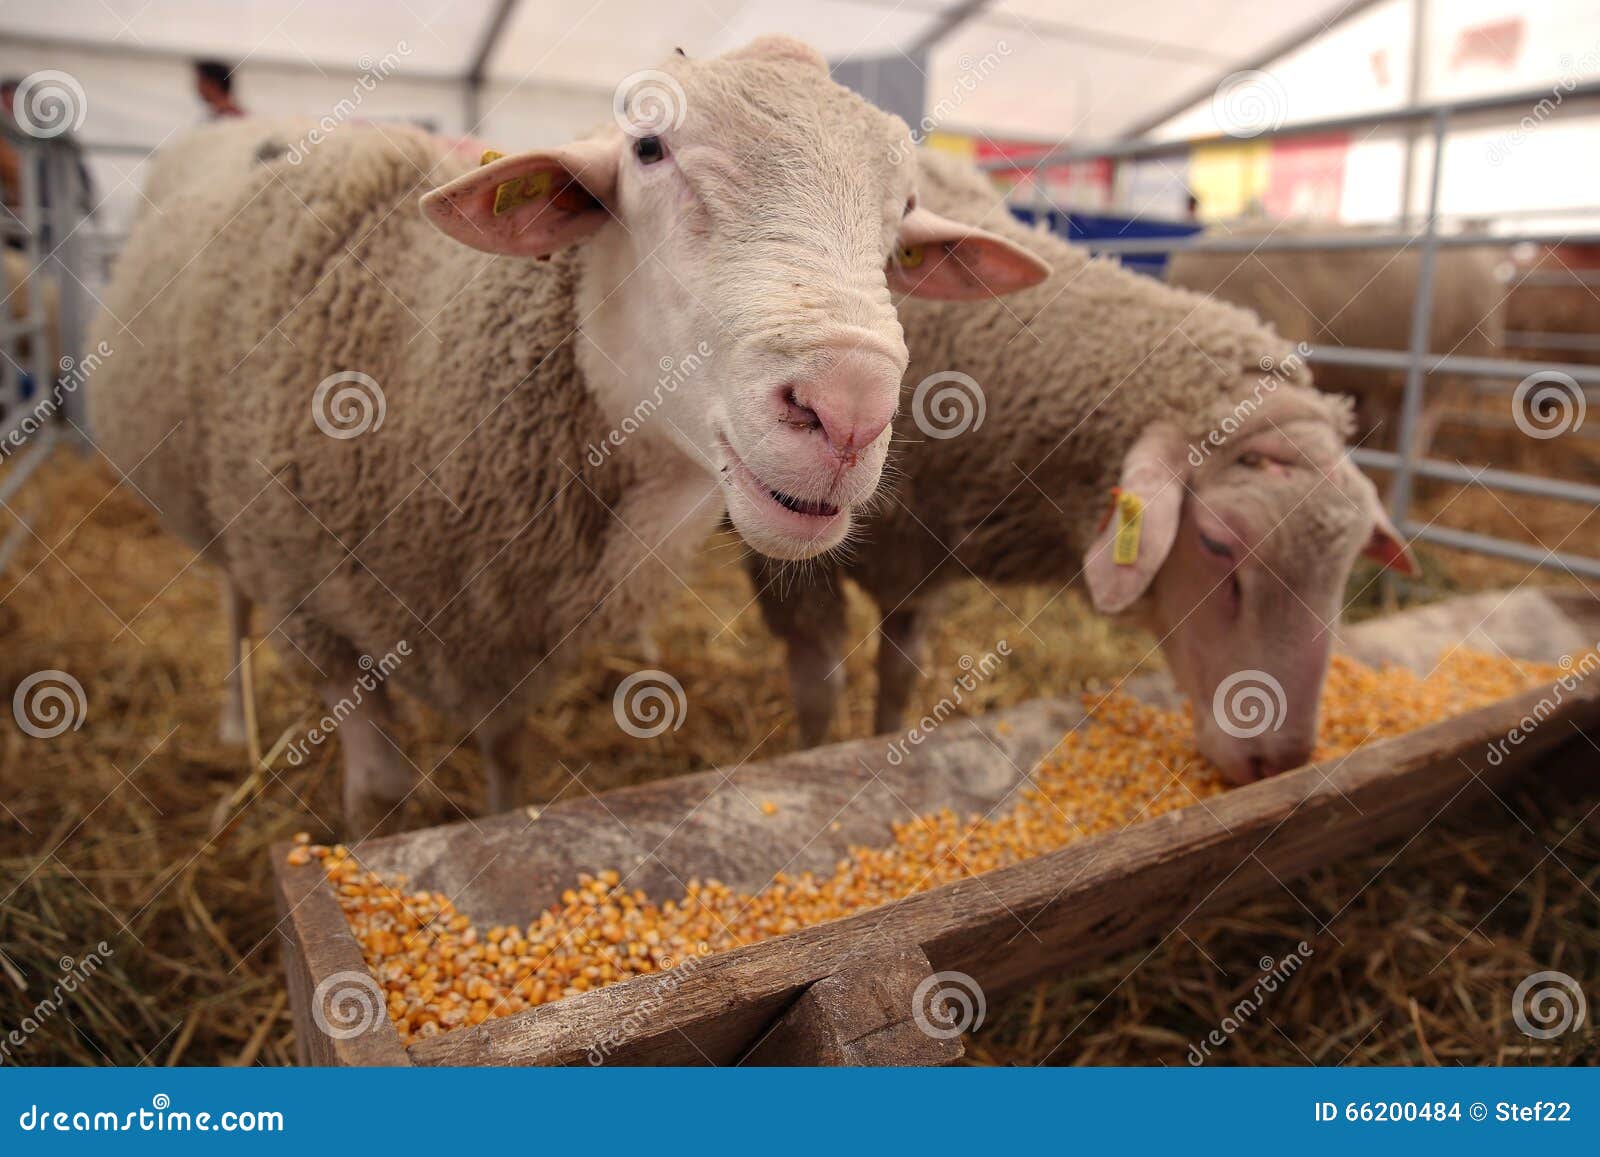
1239, 515
381, 435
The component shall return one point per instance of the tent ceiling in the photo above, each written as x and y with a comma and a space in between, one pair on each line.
1078, 68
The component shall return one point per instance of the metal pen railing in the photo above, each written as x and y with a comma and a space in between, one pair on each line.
43, 314
1417, 361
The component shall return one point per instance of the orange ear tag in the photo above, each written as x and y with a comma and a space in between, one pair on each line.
516, 193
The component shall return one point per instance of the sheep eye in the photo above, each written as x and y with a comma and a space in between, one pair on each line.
1221, 550
649, 150
1250, 458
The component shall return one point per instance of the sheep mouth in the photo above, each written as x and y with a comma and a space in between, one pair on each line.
811, 508
803, 515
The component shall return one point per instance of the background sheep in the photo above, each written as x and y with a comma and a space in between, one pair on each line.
385, 438
1362, 298
1252, 517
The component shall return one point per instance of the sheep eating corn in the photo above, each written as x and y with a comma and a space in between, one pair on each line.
1162, 448
382, 435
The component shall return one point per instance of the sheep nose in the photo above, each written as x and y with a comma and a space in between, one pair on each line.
851, 402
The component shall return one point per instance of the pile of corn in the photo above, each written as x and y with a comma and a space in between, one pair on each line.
1132, 762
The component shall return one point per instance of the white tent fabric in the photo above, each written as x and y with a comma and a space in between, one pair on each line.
1073, 67
527, 73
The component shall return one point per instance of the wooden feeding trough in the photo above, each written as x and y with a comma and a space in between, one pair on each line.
841, 992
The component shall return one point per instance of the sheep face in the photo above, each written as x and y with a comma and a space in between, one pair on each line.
1254, 547
743, 225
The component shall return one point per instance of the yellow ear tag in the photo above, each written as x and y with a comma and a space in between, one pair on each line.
909, 256
515, 194
489, 156
1130, 521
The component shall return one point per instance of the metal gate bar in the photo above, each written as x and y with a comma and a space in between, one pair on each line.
1416, 360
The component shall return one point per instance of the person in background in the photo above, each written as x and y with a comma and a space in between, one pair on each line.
213, 82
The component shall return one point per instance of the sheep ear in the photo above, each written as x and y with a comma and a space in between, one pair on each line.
531, 204
939, 258
1138, 536
1385, 545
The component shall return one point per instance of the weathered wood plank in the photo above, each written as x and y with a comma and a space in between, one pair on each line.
320, 951
866, 1014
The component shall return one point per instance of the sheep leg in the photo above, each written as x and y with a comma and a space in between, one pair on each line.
500, 740
378, 779
236, 608
509, 746
902, 653
805, 608
816, 682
